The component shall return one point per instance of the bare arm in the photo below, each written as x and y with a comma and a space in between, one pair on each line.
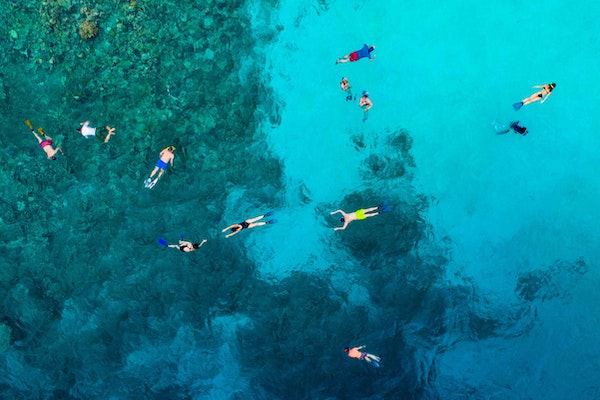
232, 226
336, 211
545, 98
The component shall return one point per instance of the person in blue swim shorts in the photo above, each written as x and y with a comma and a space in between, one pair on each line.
166, 157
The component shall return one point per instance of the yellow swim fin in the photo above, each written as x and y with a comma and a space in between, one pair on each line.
41, 131
28, 123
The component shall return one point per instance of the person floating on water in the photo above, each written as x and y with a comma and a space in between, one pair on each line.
184, 245
45, 143
87, 131
358, 54
166, 158
346, 87
356, 352
366, 104
541, 95
514, 126
249, 223
361, 214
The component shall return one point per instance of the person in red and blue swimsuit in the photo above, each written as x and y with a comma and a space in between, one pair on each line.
358, 54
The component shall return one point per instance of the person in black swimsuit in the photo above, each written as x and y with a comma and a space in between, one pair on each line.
248, 224
543, 94
185, 246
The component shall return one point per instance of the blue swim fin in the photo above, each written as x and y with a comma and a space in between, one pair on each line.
269, 213
375, 363
517, 106
162, 242
272, 221
384, 207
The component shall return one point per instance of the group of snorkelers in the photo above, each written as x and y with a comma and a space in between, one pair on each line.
541, 96
167, 156
364, 102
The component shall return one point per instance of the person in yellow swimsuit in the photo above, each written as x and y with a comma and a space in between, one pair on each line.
361, 214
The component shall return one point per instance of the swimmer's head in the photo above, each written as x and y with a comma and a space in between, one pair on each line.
342, 220
371, 49
235, 229
53, 158
552, 85
346, 349
196, 245
344, 79
365, 93
171, 148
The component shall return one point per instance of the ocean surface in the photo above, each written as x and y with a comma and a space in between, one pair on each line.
480, 283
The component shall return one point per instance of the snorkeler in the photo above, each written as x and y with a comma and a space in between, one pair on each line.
184, 246
366, 104
249, 223
346, 87
358, 54
46, 143
166, 158
87, 131
502, 129
356, 353
361, 214
541, 95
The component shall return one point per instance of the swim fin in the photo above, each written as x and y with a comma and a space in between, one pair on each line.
269, 213
375, 363
28, 123
272, 221
41, 131
147, 182
162, 242
152, 184
384, 207
517, 106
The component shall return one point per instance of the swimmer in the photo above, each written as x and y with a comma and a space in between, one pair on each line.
356, 352
249, 224
541, 95
361, 214
166, 158
358, 54
184, 246
366, 104
502, 129
346, 87
86, 130
46, 143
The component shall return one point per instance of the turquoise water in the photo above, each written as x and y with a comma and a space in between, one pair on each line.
480, 284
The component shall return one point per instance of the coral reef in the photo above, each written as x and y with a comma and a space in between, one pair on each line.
88, 30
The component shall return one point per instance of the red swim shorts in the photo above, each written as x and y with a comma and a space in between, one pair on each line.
354, 56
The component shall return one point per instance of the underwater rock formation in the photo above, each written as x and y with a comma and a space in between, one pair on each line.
88, 30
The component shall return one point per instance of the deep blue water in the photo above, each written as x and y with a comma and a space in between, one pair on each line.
479, 284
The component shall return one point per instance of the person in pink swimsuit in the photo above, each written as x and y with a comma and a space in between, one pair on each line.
45, 143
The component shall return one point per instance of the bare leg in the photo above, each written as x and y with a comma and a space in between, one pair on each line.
39, 139
344, 59
369, 210
153, 172
252, 220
